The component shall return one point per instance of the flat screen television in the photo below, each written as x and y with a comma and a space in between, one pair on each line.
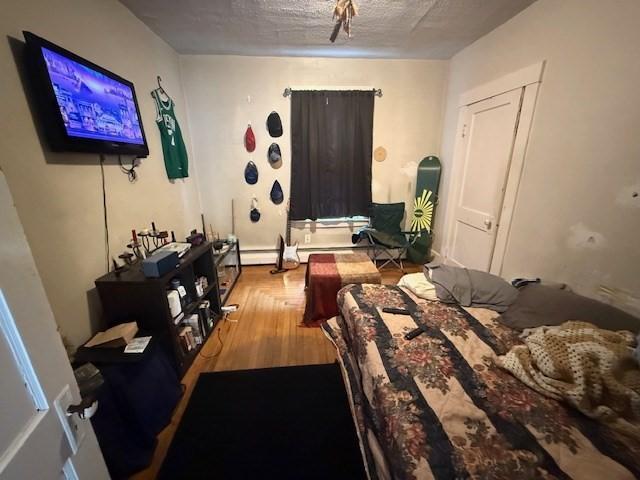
84, 107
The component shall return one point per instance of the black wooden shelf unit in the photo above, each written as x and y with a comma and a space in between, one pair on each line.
130, 296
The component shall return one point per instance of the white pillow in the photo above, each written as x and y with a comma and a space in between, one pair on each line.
419, 285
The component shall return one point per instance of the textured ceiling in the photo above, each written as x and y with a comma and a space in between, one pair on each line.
434, 29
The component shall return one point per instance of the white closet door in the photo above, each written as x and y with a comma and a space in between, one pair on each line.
37, 439
488, 132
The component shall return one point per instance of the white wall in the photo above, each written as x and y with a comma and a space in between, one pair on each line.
576, 219
407, 122
58, 196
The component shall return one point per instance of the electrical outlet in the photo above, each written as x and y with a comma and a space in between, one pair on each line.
307, 238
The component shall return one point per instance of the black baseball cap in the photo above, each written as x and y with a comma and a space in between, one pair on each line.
274, 124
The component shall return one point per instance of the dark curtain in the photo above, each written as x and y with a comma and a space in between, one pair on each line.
331, 142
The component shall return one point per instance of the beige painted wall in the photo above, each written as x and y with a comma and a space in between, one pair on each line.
58, 196
576, 219
407, 122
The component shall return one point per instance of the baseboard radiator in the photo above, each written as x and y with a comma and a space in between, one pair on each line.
269, 256
259, 256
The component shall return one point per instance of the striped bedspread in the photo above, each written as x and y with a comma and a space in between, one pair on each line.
438, 407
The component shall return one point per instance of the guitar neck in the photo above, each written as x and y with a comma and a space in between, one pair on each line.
287, 236
233, 218
288, 233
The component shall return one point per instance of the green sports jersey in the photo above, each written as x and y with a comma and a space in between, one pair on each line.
173, 148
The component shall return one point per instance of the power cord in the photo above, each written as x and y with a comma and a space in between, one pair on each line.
104, 209
131, 173
214, 355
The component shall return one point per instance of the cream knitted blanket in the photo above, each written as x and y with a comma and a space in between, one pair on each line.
591, 369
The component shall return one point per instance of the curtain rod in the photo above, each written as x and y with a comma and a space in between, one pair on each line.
287, 91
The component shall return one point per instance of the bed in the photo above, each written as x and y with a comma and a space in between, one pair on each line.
438, 407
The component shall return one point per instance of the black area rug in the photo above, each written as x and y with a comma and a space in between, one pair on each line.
284, 423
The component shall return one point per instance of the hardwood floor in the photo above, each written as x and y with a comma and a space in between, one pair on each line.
264, 332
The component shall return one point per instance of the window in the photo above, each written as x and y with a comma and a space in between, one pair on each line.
331, 143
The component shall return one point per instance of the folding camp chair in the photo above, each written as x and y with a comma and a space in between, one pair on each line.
385, 235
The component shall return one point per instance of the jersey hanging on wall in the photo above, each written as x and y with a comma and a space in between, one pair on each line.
175, 153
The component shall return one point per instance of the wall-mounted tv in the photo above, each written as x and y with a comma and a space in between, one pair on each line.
84, 107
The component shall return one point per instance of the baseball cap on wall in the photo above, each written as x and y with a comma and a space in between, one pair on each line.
274, 124
249, 139
254, 213
251, 173
276, 193
274, 153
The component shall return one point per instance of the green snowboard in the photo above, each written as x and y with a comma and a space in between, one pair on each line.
424, 208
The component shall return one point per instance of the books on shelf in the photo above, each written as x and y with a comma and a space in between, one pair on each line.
193, 321
192, 333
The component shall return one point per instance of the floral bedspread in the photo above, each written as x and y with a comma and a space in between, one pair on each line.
439, 407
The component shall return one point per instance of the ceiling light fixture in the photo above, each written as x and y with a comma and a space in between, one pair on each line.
343, 12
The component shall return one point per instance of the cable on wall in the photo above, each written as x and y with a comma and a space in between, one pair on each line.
132, 175
106, 220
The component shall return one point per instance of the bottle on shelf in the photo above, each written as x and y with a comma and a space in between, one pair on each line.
182, 292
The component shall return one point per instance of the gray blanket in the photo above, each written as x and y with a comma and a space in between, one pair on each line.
470, 288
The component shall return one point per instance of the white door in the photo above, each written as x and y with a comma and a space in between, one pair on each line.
488, 134
35, 374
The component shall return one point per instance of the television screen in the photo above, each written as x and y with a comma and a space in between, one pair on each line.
85, 107
92, 105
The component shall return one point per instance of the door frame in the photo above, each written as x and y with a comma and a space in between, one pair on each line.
528, 79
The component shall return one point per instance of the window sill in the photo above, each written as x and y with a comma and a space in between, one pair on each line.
342, 222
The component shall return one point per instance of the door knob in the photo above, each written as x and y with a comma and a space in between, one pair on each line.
85, 409
487, 223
